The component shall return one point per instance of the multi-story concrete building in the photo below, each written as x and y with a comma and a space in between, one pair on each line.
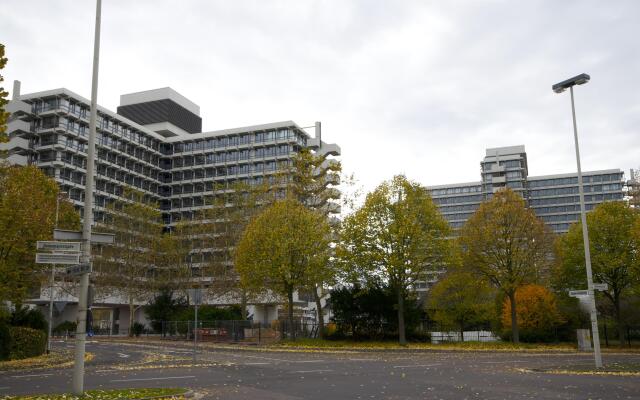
554, 198
154, 143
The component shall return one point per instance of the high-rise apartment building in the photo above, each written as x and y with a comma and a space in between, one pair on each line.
154, 143
554, 198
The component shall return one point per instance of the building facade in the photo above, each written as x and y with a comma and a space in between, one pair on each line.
154, 144
554, 198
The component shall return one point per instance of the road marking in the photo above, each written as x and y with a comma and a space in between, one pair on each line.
122, 355
153, 379
4, 387
106, 370
360, 359
30, 376
281, 360
416, 366
501, 362
313, 370
257, 363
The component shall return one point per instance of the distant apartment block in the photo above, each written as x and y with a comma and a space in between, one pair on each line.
554, 198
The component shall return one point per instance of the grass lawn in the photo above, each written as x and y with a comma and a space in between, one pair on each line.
463, 346
620, 369
55, 359
171, 393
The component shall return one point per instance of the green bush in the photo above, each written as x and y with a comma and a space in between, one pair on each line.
137, 328
64, 327
362, 313
5, 341
211, 313
26, 342
29, 318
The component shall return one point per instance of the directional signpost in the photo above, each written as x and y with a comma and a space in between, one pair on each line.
602, 287
65, 253
96, 237
59, 246
58, 258
578, 293
79, 269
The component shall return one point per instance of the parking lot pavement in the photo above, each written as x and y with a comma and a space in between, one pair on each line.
242, 374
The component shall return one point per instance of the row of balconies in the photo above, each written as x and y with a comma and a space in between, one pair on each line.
238, 146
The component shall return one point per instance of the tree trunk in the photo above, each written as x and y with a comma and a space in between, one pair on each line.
401, 334
243, 305
514, 318
616, 304
291, 327
320, 313
132, 312
462, 332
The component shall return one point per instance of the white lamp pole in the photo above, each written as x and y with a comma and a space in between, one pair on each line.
81, 331
559, 88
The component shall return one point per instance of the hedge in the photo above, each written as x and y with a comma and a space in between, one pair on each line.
26, 342
5, 340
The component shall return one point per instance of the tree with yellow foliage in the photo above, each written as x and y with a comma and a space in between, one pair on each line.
27, 214
537, 312
505, 243
397, 238
282, 249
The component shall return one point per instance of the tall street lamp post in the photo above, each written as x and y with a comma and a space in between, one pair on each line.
81, 331
559, 88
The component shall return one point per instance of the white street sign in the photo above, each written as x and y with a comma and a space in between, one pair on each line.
57, 258
196, 296
58, 246
578, 293
603, 287
96, 237
79, 269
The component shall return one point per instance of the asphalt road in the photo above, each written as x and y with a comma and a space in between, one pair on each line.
253, 374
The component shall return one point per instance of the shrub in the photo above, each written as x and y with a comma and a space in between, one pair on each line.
164, 307
211, 313
26, 342
370, 313
64, 327
29, 318
5, 340
137, 328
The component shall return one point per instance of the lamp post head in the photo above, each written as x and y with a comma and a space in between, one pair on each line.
576, 80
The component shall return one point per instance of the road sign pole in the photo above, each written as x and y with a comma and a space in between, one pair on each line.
51, 283
195, 337
78, 367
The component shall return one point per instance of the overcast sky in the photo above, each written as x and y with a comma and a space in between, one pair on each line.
420, 88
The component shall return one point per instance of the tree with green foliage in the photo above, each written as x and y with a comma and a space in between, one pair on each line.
397, 238
281, 250
368, 312
126, 268
164, 306
460, 300
615, 254
4, 116
27, 214
505, 243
